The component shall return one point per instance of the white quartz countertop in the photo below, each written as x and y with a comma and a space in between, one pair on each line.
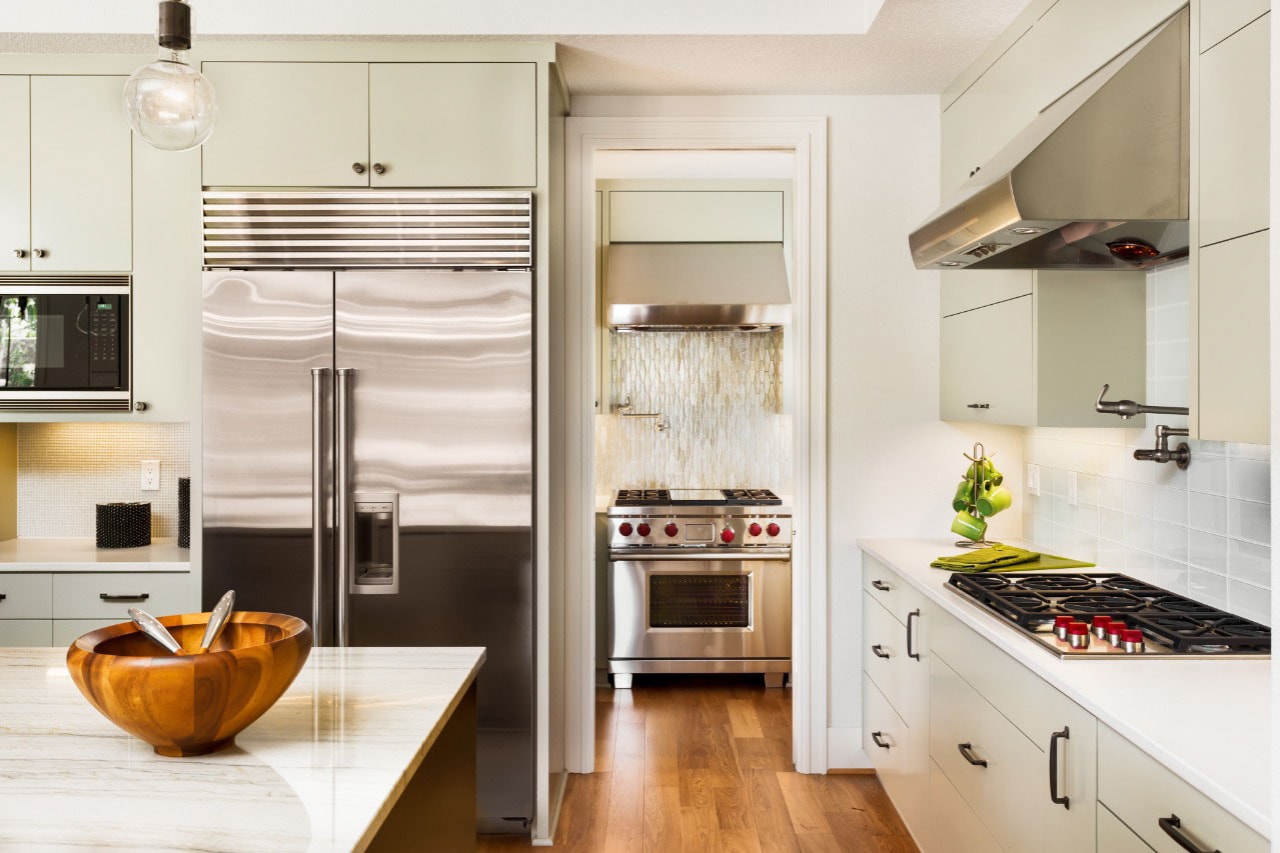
81, 555
1208, 721
319, 771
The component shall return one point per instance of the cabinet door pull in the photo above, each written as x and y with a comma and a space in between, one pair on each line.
966, 749
878, 738
135, 596
1065, 734
378, 168
878, 651
911, 653
978, 405
881, 585
19, 253
3, 596
38, 253
1173, 828
358, 168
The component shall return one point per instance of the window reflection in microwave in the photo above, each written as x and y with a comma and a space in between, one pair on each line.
29, 338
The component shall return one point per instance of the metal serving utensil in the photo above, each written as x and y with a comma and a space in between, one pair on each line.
151, 626
218, 619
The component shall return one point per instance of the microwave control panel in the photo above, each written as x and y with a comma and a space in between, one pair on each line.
104, 342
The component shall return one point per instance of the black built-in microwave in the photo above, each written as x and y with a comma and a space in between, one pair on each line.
64, 343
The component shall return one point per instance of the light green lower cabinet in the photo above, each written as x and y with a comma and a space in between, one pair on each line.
25, 632
953, 827
1115, 837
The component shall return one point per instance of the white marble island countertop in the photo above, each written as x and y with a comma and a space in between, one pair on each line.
1206, 720
319, 771
82, 555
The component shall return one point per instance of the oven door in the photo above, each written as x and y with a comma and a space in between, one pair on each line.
698, 605
64, 346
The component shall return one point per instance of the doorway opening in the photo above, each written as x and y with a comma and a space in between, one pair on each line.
605, 154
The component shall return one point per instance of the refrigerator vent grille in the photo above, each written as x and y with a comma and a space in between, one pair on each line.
346, 230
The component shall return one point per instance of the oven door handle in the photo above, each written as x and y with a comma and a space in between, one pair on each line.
629, 555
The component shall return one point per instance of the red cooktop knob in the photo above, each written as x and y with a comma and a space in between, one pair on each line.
625, 528
726, 535
671, 529
1077, 628
773, 529
643, 529
755, 529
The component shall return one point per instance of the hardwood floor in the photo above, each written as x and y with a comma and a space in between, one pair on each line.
692, 763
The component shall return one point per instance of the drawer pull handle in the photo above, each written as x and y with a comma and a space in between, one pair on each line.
137, 596
977, 405
881, 585
1065, 734
878, 651
914, 614
878, 738
966, 749
3, 596
1173, 828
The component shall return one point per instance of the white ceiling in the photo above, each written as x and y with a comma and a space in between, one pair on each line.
913, 47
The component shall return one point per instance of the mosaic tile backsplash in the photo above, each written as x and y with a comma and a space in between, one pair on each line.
1204, 532
720, 395
66, 469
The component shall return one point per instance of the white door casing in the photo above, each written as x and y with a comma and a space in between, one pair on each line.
807, 139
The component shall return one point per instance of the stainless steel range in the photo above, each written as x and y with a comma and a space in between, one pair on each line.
1108, 615
699, 581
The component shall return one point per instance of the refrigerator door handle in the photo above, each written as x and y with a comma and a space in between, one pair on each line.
319, 529
342, 496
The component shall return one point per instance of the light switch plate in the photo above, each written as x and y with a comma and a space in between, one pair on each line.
150, 475
1073, 491
1033, 479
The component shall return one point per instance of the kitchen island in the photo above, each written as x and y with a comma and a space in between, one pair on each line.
370, 748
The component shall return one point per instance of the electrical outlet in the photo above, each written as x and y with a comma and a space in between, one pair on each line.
150, 475
1033, 479
1073, 493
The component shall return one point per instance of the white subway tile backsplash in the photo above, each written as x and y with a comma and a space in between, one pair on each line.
1209, 513
1208, 551
1170, 541
1139, 500
1110, 493
1172, 575
1208, 588
1261, 452
1207, 474
1250, 563
1249, 601
1249, 479
1171, 506
1250, 521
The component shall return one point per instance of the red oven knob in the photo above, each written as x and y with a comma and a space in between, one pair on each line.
671, 529
625, 528
754, 529
773, 529
643, 529
726, 535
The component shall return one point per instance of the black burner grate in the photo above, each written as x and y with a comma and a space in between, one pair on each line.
1031, 600
642, 497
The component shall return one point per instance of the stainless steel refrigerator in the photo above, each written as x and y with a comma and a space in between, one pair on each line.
368, 439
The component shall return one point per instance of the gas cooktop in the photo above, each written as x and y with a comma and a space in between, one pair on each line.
696, 497
1146, 619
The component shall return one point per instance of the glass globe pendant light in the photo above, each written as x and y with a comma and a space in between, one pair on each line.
170, 104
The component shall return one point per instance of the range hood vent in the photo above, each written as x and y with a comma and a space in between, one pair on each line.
1099, 180
712, 286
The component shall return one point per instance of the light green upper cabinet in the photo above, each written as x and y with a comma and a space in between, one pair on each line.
1040, 359
1235, 134
453, 124
1221, 18
289, 124
15, 173
355, 124
66, 177
696, 216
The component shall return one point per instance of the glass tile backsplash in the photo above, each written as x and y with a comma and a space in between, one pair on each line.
66, 469
1204, 532
720, 396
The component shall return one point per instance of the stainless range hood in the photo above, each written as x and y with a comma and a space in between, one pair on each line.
709, 286
1099, 180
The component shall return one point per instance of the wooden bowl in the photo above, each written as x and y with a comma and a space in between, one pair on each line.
190, 704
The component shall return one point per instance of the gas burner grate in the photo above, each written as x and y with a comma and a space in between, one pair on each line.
1183, 625
751, 497
1050, 583
642, 497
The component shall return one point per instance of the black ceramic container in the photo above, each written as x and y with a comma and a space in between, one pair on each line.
184, 512
124, 525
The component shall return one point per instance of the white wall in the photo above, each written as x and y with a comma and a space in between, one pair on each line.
893, 464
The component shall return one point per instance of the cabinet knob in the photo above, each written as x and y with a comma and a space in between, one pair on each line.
378, 168
38, 253
358, 168
19, 253
139, 406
